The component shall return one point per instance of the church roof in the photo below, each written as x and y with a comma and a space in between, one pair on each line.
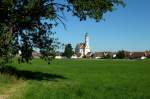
81, 45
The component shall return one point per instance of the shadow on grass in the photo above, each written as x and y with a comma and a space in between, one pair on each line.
29, 75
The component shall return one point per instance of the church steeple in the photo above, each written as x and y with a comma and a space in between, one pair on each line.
87, 40
83, 48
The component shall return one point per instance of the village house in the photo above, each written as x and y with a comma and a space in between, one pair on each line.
101, 55
136, 55
59, 55
36, 54
98, 55
147, 54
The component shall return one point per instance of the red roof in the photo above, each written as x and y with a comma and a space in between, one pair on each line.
81, 46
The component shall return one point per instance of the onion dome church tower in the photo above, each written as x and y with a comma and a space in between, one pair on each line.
83, 48
87, 47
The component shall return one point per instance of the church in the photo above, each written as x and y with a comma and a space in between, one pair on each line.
83, 49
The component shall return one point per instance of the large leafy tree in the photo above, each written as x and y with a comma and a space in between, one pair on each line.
28, 24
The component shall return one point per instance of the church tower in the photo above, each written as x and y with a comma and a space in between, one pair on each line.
87, 40
87, 47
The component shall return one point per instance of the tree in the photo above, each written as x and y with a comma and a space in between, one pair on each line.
28, 24
68, 51
5, 45
120, 54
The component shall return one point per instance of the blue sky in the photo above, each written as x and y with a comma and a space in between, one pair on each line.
126, 28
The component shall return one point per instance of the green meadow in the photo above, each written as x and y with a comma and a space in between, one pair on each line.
76, 79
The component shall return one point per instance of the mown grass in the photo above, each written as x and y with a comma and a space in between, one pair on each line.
82, 79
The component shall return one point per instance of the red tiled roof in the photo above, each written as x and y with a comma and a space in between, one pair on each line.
81, 46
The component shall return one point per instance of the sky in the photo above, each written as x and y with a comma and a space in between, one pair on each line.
123, 29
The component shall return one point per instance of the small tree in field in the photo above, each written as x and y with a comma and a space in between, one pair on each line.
120, 54
68, 51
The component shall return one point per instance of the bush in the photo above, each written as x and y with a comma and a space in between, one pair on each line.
120, 54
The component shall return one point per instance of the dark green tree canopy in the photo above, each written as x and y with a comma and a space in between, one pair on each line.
28, 24
120, 54
68, 51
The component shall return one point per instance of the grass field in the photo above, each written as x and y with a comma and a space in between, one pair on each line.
77, 79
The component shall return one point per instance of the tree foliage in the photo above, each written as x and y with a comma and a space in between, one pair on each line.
68, 51
120, 54
28, 24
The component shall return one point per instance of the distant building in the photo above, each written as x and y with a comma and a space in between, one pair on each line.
101, 55
83, 49
136, 55
74, 56
98, 55
36, 54
147, 54
59, 55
